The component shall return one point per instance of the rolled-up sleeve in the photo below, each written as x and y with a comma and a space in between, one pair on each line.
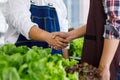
112, 27
19, 16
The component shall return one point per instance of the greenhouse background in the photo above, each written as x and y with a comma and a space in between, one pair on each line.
77, 12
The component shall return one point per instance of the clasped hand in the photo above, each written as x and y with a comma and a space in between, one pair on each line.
60, 40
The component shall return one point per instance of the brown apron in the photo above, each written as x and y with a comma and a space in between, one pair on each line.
93, 43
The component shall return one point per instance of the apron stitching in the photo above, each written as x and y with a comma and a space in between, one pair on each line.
45, 23
54, 25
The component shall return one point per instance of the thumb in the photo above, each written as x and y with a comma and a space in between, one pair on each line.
61, 34
69, 38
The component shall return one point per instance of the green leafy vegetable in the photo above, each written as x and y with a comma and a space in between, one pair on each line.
36, 63
76, 47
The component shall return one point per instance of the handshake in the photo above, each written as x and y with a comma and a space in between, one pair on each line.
60, 40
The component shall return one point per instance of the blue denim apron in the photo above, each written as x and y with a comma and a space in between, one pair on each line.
47, 19
118, 74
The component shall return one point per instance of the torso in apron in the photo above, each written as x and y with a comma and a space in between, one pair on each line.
93, 43
47, 19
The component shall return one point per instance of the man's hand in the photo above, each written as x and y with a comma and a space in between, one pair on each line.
57, 42
61, 34
60, 43
66, 35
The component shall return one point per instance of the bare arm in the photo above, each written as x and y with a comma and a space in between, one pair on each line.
77, 33
109, 49
38, 34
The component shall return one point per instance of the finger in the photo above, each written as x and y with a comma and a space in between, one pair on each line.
63, 34
61, 40
61, 44
59, 47
54, 35
51, 46
60, 34
56, 47
65, 41
70, 38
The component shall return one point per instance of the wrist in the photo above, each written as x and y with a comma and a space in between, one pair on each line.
72, 35
104, 66
45, 36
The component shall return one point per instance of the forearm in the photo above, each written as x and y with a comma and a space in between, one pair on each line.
109, 49
78, 32
38, 34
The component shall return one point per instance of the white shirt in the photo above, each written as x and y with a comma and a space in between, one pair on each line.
18, 17
3, 24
